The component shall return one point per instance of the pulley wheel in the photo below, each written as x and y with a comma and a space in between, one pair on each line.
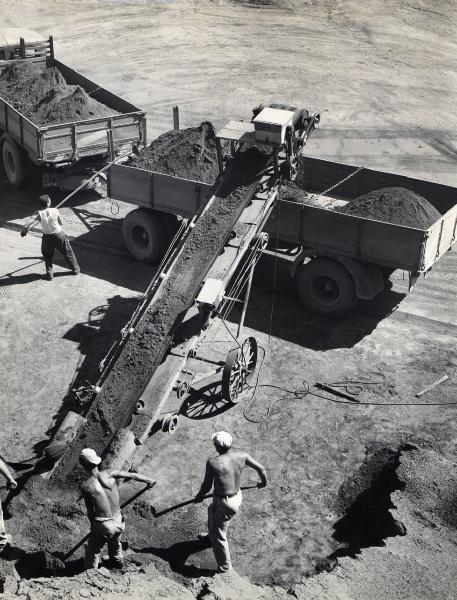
182, 389
239, 369
139, 407
170, 423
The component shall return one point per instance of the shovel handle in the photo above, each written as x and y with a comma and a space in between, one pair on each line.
336, 392
126, 503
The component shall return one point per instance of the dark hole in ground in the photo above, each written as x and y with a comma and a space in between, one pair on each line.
368, 520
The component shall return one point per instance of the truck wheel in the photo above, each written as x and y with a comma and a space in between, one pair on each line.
326, 287
13, 162
145, 235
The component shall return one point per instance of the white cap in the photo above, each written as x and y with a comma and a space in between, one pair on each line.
222, 439
90, 456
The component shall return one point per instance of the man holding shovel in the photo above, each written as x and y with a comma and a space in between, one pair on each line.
101, 496
224, 470
53, 236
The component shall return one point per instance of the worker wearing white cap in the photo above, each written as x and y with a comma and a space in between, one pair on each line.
101, 496
224, 471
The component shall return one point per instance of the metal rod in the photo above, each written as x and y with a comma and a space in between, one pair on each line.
432, 385
332, 390
246, 300
176, 118
219, 156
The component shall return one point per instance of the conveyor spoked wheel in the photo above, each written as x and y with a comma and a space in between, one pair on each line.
238, 370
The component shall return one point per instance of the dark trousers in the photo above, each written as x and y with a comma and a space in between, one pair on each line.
57, 241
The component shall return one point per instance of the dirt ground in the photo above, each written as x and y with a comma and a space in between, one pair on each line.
385, 73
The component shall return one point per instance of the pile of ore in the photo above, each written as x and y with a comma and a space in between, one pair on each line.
44, 96
390, 205
188, 153
394, 205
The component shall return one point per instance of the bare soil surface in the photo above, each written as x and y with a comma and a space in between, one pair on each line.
385, 74
44, 97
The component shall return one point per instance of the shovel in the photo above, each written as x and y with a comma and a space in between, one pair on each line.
46, 564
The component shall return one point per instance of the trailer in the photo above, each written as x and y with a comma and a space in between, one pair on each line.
344, 258
60, 149
341, 258
148, 230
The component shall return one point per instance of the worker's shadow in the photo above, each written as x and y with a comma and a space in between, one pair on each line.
10, 280
177, 555
94, 338
205, 402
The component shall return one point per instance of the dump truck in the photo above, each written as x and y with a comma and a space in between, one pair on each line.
340, 258
66, 153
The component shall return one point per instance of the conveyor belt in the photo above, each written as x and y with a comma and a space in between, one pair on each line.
143, 352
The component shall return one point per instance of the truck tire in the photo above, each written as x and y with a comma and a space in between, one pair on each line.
145, 235
326, 287
14, 161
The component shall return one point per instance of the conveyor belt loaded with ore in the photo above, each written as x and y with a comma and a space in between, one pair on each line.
148, 343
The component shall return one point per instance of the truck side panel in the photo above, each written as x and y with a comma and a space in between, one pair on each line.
374, 241
335, 233
68, 142
20, 129
87, 138
157, 191
441, 237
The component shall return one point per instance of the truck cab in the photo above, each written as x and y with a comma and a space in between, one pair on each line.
10, 42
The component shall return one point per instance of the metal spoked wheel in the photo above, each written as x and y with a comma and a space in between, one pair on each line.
238, 370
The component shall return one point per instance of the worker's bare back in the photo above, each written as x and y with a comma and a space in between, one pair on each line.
101, 494
226, 470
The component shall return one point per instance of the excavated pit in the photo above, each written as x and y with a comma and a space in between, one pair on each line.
189, 153
366, 501
45, 98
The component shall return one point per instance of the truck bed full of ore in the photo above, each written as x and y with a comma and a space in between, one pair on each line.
188, 153
394, 205
147, 346
44, 96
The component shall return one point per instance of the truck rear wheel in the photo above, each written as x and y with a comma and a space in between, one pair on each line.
326, 287
145, 235
14, 162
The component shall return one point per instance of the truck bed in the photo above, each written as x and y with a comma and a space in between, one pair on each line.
386, 244
158, 191
65, 143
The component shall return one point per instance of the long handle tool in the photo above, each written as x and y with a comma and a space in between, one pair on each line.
335, 391
126, 503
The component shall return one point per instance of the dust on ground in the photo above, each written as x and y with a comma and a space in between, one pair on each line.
189, 153
44, 96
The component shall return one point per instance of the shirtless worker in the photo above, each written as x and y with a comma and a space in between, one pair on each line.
101, 496
53, 236
5, 538
225, 471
